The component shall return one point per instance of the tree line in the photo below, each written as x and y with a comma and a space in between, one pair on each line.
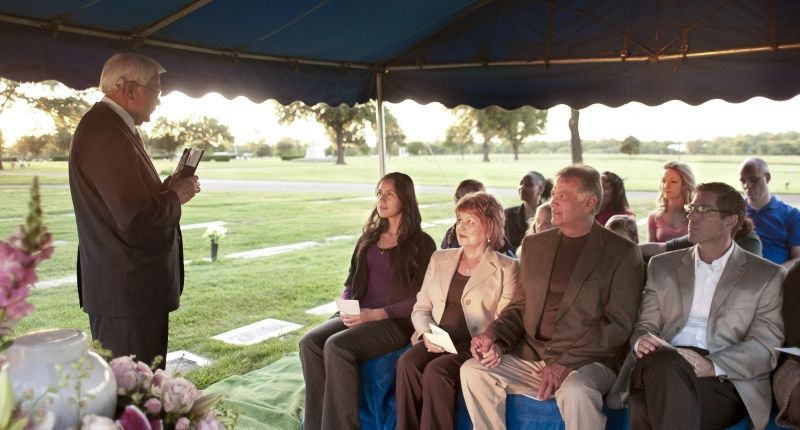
485, 131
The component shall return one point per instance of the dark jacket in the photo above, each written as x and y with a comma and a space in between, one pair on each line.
516, 225
130, 256
402, 287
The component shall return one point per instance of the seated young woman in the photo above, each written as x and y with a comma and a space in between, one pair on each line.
386, 272
464, 290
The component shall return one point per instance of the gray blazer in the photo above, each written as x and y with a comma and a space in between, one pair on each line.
744, 327
488, 291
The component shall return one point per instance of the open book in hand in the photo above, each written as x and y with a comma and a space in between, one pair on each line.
440, 338
188, 163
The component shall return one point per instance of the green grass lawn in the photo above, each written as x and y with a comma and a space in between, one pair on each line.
230, 293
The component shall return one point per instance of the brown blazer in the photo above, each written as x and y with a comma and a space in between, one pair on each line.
744, 326
130, 256
597, 312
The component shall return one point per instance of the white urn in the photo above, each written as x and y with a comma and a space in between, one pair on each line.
47, 359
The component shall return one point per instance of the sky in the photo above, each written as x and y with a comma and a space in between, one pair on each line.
673, 121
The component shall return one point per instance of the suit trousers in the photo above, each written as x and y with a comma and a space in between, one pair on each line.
579, 399
330, 354
426, 388
145, 337
666, 394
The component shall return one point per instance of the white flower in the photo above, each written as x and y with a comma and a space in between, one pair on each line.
215, 232
93, 422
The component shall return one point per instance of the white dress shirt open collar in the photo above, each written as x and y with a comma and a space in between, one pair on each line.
121, 112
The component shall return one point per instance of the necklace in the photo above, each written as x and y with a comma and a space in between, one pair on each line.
467, 263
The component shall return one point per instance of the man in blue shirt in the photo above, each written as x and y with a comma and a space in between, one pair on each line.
777, 224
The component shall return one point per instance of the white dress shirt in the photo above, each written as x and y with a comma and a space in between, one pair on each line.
121, 112
706, 277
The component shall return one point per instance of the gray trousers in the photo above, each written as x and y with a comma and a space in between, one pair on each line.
330, 354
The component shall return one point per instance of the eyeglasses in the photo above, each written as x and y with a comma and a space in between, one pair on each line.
689, 208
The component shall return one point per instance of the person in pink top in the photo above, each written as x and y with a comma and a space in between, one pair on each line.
669, 220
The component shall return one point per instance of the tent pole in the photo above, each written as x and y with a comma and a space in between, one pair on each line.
379, 119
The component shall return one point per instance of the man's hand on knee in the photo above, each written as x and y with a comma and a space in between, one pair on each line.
552, 376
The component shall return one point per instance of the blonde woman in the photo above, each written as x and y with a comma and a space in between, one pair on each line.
669, 221
463, 291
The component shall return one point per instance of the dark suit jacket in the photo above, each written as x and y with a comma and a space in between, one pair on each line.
130, 256
516, 225
597, 311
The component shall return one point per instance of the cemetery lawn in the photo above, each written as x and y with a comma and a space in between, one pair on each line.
231, 293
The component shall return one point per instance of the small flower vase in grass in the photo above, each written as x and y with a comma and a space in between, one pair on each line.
214, 233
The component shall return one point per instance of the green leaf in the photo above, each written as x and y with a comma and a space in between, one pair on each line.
18, 424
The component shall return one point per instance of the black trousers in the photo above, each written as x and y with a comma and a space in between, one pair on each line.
330, 354
145, 337
666, 394
426, 388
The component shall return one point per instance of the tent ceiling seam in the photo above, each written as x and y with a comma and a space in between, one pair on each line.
170, 19
601, 60
685, 31
55, 27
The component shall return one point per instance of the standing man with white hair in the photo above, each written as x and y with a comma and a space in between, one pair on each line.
130, 252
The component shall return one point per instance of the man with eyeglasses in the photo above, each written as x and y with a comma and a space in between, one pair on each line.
709, 323
130, 254
777, 224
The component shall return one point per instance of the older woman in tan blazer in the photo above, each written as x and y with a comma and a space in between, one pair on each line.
464, 290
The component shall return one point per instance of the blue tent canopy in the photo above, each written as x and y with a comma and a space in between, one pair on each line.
477, 52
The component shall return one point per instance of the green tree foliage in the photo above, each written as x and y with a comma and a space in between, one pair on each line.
206, 133
288, 149
9, 94
510, 127
66, 110
29, 147
341, 122
459, 136
630, 146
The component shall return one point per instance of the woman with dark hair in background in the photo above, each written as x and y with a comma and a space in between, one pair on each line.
615, 202
386, 272
533, 190
464, 290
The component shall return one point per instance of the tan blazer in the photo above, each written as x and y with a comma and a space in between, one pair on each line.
486, 294
745, 324
597, 311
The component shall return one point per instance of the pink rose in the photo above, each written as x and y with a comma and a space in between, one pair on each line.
124, 369
153, 406
182, 424
177, 395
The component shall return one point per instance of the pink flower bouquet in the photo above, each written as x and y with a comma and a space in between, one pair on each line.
148, 400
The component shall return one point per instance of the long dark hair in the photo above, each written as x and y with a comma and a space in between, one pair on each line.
402, 256
619, 203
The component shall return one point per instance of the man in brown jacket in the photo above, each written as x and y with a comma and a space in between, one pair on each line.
566, 327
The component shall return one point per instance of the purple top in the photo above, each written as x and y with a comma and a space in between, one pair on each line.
381, 271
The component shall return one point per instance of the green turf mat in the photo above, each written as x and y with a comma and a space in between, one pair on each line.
268, 398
